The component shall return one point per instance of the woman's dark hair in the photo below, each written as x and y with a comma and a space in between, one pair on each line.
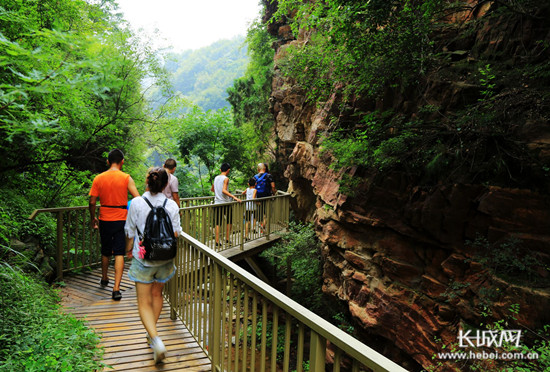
251, 181
266, 168
157, 179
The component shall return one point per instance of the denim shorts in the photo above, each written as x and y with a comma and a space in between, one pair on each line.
149, 274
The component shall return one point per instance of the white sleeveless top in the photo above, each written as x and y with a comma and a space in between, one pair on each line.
219, 196
250, 196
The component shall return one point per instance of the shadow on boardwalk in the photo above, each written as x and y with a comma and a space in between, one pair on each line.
121, 331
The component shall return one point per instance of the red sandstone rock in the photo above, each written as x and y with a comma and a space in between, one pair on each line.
397, 253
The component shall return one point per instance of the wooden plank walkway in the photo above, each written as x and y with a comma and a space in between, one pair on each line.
121, 331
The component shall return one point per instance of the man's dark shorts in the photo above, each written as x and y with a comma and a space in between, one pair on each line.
113, 239
219, 212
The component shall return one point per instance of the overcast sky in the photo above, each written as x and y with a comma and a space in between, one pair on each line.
191, 24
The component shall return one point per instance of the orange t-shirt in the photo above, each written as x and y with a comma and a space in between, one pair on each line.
112, 189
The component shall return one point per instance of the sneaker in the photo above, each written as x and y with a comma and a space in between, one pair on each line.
104, 283
117, 296
159, 350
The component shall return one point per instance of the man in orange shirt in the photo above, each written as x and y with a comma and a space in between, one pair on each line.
112, 187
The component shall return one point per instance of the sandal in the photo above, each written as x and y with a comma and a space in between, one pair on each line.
104, 283
117, 296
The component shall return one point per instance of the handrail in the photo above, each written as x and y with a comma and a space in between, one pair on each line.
208, 281
233, 224
77, 246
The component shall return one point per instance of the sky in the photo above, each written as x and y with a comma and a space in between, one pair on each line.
190, 24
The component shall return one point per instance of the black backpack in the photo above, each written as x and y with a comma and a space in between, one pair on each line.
158, 236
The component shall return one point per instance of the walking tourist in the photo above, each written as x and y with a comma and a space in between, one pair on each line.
249, 212
222, 195
265, 186
150, 275
111, 188
171, 190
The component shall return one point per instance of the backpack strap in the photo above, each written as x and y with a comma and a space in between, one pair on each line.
148, 202
150, 206
258, 179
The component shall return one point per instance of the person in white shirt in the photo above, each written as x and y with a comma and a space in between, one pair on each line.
222, 195
250, 193
171, 190
150, 276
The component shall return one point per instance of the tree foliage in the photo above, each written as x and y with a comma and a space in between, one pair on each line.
203, 75
208, 139
70, 91
299, 250
359, 46
249, 95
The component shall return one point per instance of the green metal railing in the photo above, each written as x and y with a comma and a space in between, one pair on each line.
236, 222
242, 323
77, 245
245, 325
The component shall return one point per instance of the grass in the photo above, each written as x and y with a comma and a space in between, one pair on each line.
35, 335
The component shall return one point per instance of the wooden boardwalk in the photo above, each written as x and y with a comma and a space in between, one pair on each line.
121, 331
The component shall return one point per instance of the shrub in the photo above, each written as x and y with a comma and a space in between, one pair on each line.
300, 248
34, 334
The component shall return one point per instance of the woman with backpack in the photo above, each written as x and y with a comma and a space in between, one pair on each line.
152, 227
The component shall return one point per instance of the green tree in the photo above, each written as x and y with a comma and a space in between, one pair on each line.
70, 91
249, 95
208, 139
298, 255
357, 47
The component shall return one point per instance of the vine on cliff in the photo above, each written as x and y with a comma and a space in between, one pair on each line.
360, 45
360, 49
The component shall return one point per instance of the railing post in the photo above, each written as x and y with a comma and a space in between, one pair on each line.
217, 313
205, 225
243, 221
317, 352
59, 253
173, 284
268, 217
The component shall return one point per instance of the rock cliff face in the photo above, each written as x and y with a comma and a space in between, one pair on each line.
397, 252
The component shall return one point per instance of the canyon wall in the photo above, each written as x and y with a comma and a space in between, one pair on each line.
406, 257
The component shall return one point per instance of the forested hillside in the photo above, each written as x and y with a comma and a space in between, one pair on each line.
202, 76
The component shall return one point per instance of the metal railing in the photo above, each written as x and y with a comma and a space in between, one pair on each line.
242, 323
77, 245
236, 223
193, 202
245, 325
